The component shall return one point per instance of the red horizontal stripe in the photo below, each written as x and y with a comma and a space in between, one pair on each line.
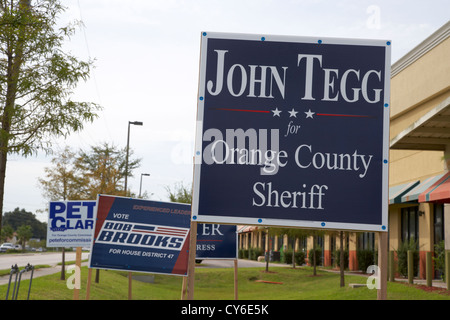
341, 115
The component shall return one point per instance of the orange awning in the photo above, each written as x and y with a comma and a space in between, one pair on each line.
438, 192
244, 229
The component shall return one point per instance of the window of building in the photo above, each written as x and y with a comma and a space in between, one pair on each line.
410, 224
332, 247
438, 223
366, 241
303, 243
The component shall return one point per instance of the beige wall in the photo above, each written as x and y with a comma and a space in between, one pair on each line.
424, 79
408, 165
426, 227
394, 227
416, 90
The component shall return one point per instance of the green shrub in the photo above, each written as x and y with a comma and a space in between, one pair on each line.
318, 256
402, 255
337, 258
286, 256
254, 253
365, 259
299, 257
243, 253
439, 258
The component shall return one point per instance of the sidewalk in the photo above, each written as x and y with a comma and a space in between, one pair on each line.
435, 283
36, 273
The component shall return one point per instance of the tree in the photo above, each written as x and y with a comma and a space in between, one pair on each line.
181, 193
63, 179
84, 174
315, 233
19, 217
294, 233
62, 183
24, 233
102, 171
341, 259
37, 79
7, 233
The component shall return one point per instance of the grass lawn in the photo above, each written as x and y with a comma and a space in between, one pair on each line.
218, 284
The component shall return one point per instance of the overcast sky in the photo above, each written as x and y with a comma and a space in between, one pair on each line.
147, 61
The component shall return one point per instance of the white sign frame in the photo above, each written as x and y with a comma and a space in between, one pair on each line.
198, 156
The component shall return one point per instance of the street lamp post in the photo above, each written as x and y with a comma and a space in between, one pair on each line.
136, 123
140, 185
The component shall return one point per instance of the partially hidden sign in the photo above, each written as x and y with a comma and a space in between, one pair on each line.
216, 241
292, 131
141, 235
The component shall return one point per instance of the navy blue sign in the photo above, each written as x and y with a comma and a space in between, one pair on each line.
216, 241
293, 132
140, 235
70, 223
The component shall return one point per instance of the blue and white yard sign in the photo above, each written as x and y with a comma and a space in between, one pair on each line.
141, 235
70, 223
216, 241
292, 131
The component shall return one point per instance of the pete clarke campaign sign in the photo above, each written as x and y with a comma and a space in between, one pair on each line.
292, 131
140, 235
70, 223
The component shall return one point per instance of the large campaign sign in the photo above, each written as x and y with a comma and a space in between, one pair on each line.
141, 235
292, 131
70, 223
216, 241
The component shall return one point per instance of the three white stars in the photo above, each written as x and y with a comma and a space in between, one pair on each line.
293, 113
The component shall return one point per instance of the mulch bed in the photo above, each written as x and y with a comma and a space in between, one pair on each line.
431, 289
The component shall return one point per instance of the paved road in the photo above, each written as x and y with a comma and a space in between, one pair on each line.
22, 259
48, 258
7, 260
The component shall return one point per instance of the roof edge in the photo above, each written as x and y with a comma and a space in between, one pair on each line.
421, 49
422, 120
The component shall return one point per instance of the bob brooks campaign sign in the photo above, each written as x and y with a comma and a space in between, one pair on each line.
141, 235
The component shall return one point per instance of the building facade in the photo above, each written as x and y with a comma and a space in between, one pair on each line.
419, 179
420, 146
